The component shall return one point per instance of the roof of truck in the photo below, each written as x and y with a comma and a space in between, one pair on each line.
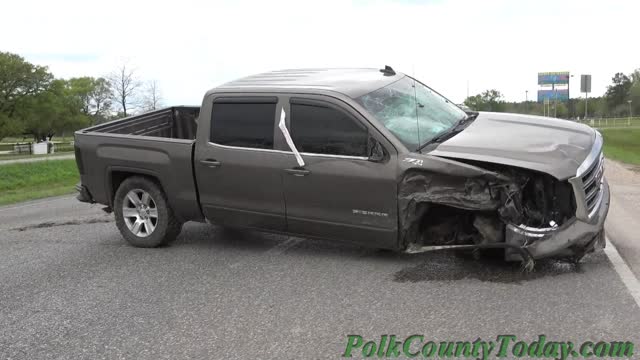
351, 82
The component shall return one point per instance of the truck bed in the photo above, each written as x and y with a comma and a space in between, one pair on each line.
177, 122
158, 144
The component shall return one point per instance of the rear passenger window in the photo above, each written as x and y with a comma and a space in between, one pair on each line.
325, 130
243, 124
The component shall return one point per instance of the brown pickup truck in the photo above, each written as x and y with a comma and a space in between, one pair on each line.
368, 156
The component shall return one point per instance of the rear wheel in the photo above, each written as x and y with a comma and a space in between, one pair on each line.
143, 214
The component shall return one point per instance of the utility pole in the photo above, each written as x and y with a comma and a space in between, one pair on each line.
570, 108
629, 122
526, 101
586, 99
585, 87
555, 102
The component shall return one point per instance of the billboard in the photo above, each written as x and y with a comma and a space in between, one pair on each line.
553, 95
553, 78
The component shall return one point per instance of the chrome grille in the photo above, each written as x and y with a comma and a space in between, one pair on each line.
592, 184
588, 182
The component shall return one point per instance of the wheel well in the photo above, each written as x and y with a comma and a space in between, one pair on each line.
117, 177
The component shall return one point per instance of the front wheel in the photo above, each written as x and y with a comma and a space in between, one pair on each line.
143, 214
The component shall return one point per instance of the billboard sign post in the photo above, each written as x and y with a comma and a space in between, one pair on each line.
553, 86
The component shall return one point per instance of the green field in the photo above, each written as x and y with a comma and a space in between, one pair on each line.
27, 181
27, 156
622, 144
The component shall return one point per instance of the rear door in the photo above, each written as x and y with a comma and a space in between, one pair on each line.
339, 193
239, 174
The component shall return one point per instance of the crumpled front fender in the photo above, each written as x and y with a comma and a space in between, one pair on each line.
575, 238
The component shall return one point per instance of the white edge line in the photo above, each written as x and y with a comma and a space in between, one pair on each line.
623, 270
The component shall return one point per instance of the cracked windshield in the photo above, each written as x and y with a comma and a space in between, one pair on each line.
411, 111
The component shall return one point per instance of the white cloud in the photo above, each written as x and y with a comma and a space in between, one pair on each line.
191, 46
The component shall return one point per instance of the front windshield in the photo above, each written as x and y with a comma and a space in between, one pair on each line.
411, 111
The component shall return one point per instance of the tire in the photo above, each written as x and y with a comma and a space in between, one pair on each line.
143, 214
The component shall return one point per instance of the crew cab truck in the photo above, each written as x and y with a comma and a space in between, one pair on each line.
368, 156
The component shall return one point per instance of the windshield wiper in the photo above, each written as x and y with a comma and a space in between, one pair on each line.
450, 132
440, 137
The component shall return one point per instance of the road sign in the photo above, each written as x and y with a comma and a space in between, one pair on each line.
585, 83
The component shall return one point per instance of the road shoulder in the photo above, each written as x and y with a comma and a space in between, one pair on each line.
623, 222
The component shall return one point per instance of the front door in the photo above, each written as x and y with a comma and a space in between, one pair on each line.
338, 193
238, 172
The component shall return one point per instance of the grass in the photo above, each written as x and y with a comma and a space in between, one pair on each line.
27, 156
35, 180
622, 144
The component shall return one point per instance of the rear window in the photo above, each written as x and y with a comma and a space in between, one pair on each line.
243, 124
324, 130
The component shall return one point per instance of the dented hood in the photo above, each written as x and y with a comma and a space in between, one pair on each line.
553, 146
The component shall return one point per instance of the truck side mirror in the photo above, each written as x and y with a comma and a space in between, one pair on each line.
376, 151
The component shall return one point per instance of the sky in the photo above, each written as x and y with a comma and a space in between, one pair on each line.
189, 46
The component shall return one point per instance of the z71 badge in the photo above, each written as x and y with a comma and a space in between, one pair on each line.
417, 162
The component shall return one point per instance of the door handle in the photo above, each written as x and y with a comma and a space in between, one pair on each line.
210, 163
298, 172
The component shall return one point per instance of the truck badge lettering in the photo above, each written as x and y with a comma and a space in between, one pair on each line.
370, 213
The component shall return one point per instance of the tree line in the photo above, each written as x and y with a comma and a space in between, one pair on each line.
33, 103
621, 99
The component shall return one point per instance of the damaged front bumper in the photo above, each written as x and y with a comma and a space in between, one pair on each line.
573, 239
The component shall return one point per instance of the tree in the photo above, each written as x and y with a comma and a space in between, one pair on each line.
19, 80
124, 87
9, 126
101, 99
489, 100
94, 96
152, 98
618, 92
53, 111
634, 92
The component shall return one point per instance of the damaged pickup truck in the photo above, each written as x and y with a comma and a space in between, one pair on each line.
368, 156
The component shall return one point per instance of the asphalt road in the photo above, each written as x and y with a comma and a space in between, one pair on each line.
71, 288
